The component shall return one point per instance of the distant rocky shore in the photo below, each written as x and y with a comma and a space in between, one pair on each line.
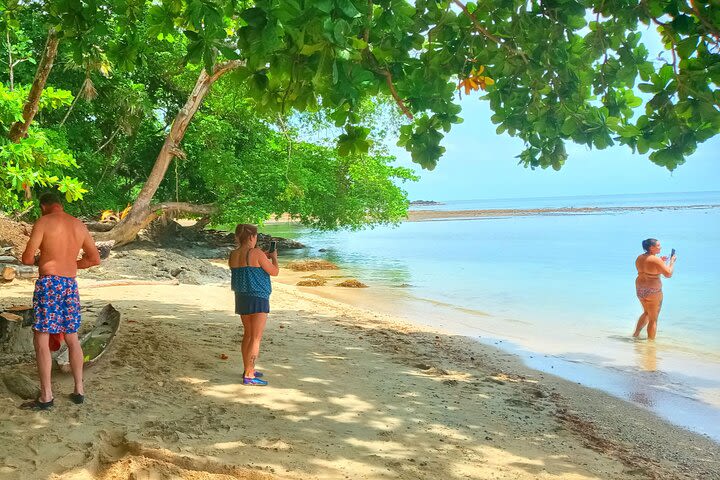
425, 215
424, 203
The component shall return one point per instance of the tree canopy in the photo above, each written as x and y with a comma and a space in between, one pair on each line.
564, 70
552, 71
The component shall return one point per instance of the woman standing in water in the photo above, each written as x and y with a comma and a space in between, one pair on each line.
649, 286
251, 269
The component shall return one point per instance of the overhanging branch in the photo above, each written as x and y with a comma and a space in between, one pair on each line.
484, 31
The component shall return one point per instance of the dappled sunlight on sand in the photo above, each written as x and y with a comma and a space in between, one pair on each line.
192, 381
315, 380
279, 399
447, 432
384, 448
229, 445
321, 358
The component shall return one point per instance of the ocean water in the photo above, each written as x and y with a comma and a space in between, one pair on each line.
558, 290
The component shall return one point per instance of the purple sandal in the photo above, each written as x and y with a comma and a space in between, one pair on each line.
254, 381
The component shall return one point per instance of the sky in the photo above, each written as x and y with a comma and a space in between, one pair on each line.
479, 164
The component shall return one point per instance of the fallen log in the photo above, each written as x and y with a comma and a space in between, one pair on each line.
123, 283
21, 385
15, 337
24, 311
21, 271
9, 259
8, 273
11, 317
100, 226
96, 342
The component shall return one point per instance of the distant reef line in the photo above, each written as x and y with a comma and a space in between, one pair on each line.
425, 215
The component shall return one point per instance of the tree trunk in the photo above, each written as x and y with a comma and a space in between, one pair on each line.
126, 231
20, 128
10, 60
142, 212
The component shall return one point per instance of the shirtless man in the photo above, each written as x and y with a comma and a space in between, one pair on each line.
56, 302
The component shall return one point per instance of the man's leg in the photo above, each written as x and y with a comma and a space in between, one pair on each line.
76, 361
44, 364
72, 324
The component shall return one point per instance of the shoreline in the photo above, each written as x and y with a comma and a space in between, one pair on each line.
632, 377
388, 398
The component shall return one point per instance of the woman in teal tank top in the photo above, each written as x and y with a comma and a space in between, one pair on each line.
251, 269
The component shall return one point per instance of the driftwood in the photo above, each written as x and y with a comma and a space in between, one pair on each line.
11, 317
100, 226
8, 273
96, 342
9, 259
21, 385
15, 336
11, 271
123, 283
25, 312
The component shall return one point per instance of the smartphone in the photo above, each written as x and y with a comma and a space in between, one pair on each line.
672, 253
273, 246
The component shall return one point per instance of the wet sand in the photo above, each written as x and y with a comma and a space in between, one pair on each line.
353, 394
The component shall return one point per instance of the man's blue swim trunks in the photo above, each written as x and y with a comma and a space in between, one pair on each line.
56, 304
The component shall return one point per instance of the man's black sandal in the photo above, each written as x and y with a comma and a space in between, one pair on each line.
77, 398
37, 405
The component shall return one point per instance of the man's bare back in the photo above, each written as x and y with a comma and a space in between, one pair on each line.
60, 236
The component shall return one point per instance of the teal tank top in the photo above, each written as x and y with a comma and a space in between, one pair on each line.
250, 281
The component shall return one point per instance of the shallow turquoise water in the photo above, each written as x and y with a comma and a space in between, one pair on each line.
558, 285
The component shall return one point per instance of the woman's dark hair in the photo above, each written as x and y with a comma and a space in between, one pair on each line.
243, 231
650, 242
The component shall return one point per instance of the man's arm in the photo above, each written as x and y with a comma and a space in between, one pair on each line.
36, 236
91, 256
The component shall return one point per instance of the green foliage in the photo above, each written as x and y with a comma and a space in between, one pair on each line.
558, 77
252, 171
35, 161
563, 70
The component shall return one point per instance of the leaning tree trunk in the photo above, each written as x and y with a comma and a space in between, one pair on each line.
20, 128
143, 212
126, 231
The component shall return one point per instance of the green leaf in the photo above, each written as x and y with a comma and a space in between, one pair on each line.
683, 24
687, 46
647, 88
340, 32
348, 8
570, 126
324, 6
